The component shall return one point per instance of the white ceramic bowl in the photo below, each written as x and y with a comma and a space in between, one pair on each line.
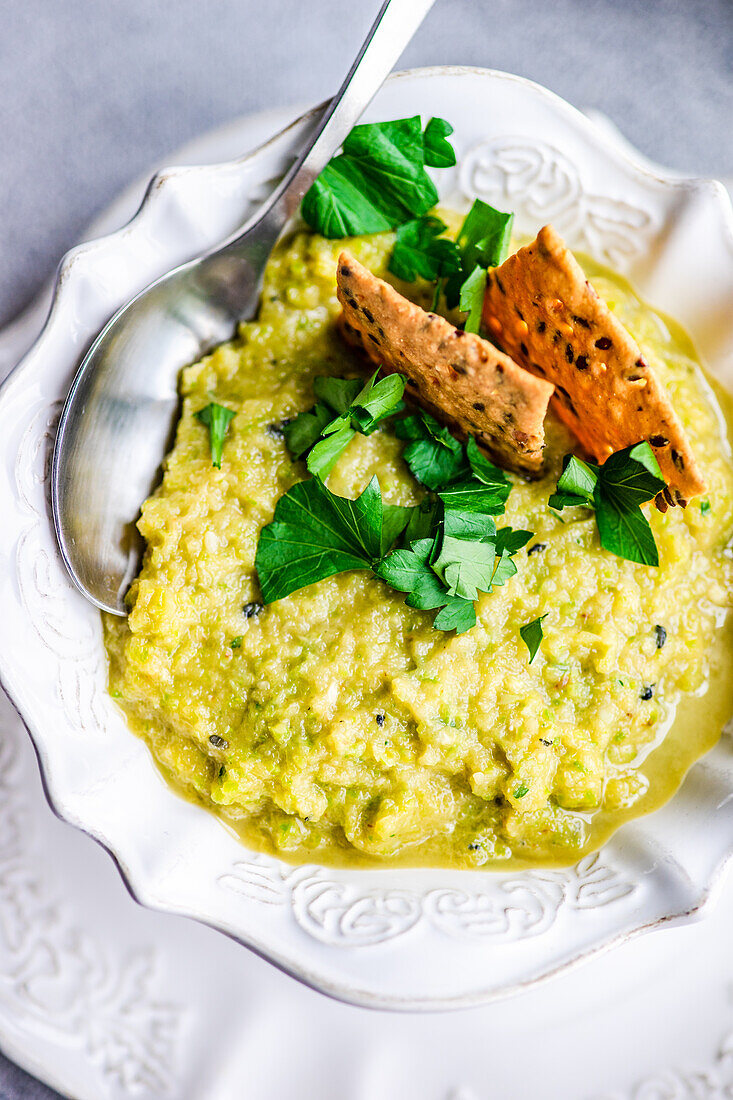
389, 938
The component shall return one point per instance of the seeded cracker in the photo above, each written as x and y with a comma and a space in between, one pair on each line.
457, 376
540, 308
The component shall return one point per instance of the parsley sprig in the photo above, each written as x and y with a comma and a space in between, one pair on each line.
216, 418
616, 490
344, 406
379, 180
441, 552
456, 267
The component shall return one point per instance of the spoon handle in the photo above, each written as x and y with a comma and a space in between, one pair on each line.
391, 31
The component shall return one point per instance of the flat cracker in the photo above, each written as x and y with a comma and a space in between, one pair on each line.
458, 377
542, 311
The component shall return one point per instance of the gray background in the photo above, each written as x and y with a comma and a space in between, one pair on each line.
92, 92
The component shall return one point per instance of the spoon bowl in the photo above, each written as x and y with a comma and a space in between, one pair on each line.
117, 420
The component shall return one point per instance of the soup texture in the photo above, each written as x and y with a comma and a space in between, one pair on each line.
337, 724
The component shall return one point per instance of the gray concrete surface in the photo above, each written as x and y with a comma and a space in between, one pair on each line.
94, 91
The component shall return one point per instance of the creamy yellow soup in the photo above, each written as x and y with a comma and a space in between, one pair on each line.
337, 724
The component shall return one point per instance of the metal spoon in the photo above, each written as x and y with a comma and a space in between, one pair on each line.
117, 420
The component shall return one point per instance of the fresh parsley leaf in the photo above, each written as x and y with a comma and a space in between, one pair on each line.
632, 475
505, 569
471, 495
510, 541
314, 534
458, 615
471, 522
522, 789
395, 518
434, 456
359, 407
337, 393
376, 401
704, 507
531, 635
466, 566
216, 418
625, 531
325, 454
379, 180
439, 153
409, 571
626, 480
485, 470
485, 236
423, 521
304, 429
420, 251
471, 298
576, 484
483, 240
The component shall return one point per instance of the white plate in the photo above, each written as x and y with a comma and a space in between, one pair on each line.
107, 1001
388, 938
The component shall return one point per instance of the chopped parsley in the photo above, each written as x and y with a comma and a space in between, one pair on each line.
344, 406
441, 552
421, 252
482, 242
704, 507
521, 790
616, 490
217, 419
379, 181
531, 635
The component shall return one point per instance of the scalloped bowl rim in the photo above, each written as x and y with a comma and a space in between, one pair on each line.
147, 892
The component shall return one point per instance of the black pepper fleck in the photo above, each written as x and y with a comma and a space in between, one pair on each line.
380, 719
538, 548
277, 430
661, 636
646, 692
251, 610
218, 742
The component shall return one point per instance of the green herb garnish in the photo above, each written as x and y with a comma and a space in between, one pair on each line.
531, 635
616, 490
521, 790
421, 252
379, 180
441, 553
216, 418
236, 643
483, 241
439, 153
704, 507
434, 456
344, 406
